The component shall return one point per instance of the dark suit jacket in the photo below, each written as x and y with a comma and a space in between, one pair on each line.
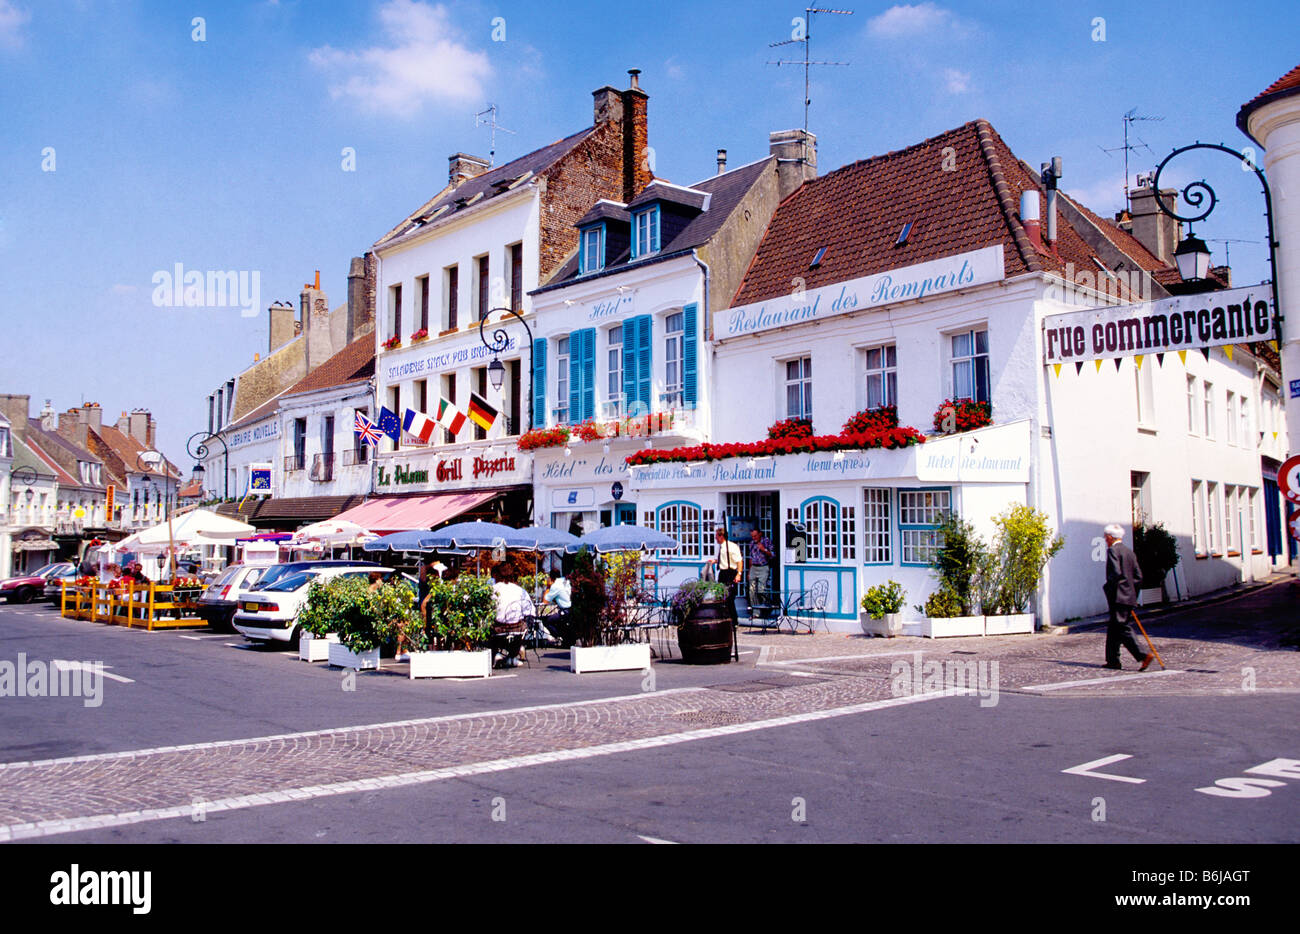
1123, 577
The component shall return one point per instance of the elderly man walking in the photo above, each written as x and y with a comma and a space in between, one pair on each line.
1123, 580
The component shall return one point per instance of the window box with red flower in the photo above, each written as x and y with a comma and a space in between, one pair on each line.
882, 438
957, 415
791, 428
543, 438
394, 341
869, 420
420, 335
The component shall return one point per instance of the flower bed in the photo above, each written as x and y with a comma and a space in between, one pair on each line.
885, 438
791, 428
955, 415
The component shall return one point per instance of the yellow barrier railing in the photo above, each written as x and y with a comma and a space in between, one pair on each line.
153, 606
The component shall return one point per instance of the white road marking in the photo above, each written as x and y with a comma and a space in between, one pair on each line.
1060, 685
63, 665
192, 638
655, 839
1088, 769
406, 779
836, 658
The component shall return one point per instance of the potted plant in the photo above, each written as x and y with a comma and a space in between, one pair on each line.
318, 621
882, 603
704, 625
1013, 568
1157, 554
364, 619
598, 615
958, 563
453, 642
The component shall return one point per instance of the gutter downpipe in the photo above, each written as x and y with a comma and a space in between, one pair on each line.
704, 267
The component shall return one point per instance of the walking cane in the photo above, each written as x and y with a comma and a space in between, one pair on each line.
1133, 613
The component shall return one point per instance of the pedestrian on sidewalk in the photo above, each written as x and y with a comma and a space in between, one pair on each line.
758, 574
728, 563
1123, 580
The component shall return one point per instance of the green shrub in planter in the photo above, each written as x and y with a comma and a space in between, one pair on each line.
961, 563
1156, 551
461, 613
1013, 568
942, 604
691, 594
882, 599
332, 604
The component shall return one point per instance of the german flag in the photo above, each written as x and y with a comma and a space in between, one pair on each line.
480, 413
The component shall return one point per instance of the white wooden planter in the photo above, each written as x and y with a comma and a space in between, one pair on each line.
340, 656
452, 664
634, 656
312, 649
1150, 596
936, 628
1011, 624
890, 625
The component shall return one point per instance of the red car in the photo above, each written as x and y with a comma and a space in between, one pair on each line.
31, 586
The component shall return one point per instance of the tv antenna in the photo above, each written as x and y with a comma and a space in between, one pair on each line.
1138, 144
807, 62
488, 118
1227, 248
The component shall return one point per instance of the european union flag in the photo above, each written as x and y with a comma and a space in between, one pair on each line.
390, 425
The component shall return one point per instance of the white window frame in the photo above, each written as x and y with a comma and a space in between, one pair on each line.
614, 372
1230, 422
674, 359
803, 380
877, 526
1212, 514
1229, 500
919, 512
562, 380
883, 375
1192, 407
1198, 522
971, 359
1209, 409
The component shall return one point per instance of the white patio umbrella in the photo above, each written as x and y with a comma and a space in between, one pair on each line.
199, 523
335, 533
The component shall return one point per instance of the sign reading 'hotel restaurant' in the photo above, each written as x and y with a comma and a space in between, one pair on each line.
1184, 322
883, 288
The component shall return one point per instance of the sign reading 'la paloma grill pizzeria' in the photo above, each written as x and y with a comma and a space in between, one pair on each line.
1184, 322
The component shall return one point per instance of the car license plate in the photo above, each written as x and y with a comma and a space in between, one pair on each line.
252, 607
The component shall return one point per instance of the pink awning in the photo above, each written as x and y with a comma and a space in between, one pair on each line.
404, 513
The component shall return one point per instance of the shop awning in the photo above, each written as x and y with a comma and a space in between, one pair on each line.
403, 513
36, 544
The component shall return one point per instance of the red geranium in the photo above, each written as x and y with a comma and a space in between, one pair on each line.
872, 420
894, 437
791, 428
544, 438
956, 415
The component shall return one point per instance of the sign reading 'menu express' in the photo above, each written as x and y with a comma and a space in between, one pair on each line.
1185, 322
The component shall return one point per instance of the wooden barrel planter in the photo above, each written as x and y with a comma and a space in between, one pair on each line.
705, 637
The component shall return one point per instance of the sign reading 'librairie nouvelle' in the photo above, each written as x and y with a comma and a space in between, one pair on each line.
1184, 322
884, 288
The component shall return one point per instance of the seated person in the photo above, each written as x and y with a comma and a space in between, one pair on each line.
513, 607
558, 592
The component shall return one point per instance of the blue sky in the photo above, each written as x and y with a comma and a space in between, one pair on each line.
227, 153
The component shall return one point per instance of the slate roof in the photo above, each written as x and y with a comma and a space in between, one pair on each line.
725, 191
960, 190
354, 363
1284, 86
490, 184
41, 461
262, 411
604, 209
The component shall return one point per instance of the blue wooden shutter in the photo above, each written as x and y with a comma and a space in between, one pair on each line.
644, 358
575, 377
588, 363
630, 335
690, 355
539, 383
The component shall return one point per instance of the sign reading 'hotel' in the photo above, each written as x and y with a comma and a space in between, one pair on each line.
883, 288
1185, 322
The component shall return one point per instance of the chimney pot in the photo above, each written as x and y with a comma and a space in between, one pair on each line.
722, 161
796, 156
634, 74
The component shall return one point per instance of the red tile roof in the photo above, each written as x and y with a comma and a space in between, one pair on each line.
960, 190
354, 363
1287, 82
1284, 86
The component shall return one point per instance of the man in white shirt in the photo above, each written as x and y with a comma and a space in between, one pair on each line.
513, 606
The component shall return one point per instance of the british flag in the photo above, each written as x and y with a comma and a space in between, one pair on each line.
366, 431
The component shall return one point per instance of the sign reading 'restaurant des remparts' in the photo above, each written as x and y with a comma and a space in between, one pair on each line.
883, 288
1184, 322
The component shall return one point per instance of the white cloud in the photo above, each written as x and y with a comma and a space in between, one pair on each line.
12, 21
674, 70
957, 82
1104, 196
424, 61
906, 20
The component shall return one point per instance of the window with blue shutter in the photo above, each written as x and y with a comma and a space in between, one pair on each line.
539, 383
591, 255
637, 360
587, 358
645, 232
690, 354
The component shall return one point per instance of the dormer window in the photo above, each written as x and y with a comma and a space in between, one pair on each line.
645, 232
591, 256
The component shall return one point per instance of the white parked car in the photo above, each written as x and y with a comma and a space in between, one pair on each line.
270, 614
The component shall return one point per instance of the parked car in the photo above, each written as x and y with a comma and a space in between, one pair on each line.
219, 599
270, 614
28, 587
54, 583
279, 571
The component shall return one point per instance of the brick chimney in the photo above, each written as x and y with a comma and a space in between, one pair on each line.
1154, 229
15, 408
461, 167
283, 327
71, 425
796, 158
636, 159
140, 425
361, 296
315, 310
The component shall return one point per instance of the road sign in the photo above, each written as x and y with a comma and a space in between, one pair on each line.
616, 490
1293, 523
1288, 478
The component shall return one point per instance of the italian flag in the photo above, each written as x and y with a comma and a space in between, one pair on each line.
450, 417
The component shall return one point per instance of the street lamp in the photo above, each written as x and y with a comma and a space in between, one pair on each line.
1192, 255
500, 341
197, 447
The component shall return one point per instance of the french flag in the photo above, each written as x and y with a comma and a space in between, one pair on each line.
418, 425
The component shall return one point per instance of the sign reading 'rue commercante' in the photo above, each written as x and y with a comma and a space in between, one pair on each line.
1185, 322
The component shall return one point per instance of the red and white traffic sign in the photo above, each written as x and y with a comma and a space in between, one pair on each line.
1293, 523
1288, 478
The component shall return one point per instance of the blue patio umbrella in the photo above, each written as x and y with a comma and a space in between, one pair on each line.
468, 535
412, 540
624, 538
540, 538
